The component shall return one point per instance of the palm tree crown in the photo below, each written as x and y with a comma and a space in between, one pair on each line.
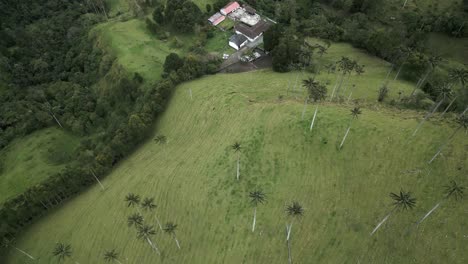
257, 197
132, 199
295, 209
135, 220
463, 121
170, 228
145, 231
62, 251
148, 204
454, 189
445, 91
110, 255
356, 111
236, 147
403, 200
460, 75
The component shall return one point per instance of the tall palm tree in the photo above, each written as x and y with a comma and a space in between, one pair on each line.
9, 243
444, 92
149, 205
145, 232
462, 121
237, 148
170, 229
294, 210
451, 190
135, 220
345, 65
112, 256
63, 251
433, 61
355, 112
402, 200
317, 92
256, 197
133, 200
457, 75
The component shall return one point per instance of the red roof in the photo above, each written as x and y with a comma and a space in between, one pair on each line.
230, 7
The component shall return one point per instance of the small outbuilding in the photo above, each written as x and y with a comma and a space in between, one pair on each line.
229, 8
216, 19
238, 41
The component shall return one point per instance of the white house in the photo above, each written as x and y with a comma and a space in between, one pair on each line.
238, 41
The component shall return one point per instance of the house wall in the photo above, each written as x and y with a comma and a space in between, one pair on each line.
233, 45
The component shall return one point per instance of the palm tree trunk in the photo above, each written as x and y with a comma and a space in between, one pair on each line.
56, 120
289, 231
406, 1
382, 222
416, 87
346, 135
445, 144
153, 246
159, 223
313, 119
94, 175
177, 241
238, 166
190, 93
303, 110
339, 86
24, 253
448, 107
346, 84
254, 219
398, 72
289, 245
428, 116
334, 87
429, 213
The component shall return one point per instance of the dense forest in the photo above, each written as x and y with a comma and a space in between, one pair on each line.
52, 73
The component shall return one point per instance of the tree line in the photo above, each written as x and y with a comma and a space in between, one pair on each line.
52, 66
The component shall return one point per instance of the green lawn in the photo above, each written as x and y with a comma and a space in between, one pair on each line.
345, 193
31, 159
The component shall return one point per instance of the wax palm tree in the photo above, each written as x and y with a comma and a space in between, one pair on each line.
294, 210
149, 205
452, 190
345, 66
462, 121
355, 112
403, 201
133, 200
433, 61
170, 229
160, 139
444, 92
457, 75
63, 251
135, 220
256, 197
237, 149
10, 244
112, 256
145, 232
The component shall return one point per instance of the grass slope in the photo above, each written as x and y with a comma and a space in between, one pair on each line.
345, 193
27, 161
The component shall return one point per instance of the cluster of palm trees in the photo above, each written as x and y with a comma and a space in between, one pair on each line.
294, 210
146, 231
346, 66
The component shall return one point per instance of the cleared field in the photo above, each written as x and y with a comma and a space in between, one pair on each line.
29, 160
345, 193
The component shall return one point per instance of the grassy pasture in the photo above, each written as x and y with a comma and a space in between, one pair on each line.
29, 160
345, 193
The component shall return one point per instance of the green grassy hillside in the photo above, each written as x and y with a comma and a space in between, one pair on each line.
29, 160
345, 193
